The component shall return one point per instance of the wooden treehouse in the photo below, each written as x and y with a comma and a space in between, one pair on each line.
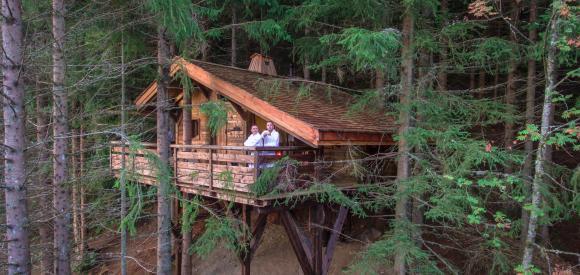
317, 131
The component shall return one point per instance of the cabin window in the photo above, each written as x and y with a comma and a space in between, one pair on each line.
195, 128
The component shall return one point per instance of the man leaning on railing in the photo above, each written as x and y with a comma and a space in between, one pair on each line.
271, 138
254, 140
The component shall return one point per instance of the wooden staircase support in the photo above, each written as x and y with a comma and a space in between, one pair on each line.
313, 258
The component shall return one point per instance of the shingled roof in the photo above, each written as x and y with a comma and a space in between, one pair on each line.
317, 113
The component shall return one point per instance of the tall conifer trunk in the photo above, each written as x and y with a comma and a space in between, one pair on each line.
187, 136
530, 114
61, 198
442, 74
542, 153
403, 163
45, 228
510, 96
234, 41
14, 139
163, 200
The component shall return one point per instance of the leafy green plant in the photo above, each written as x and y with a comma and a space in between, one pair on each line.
217, 115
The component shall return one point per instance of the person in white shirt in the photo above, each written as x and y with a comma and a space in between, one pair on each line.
255, 139
271, 136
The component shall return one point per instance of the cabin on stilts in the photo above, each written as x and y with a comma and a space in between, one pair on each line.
320, 138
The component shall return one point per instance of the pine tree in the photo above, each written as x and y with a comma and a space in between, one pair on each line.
17, 222
61, 200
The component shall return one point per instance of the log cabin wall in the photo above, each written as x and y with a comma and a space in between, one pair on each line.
233, 134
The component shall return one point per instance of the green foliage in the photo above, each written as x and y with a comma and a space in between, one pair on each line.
269, 176
190, 210
367, 49
397, 241
224, 230
269, 88
176, 17
327, 193
267, 32
217, 115
185, 82
494, 51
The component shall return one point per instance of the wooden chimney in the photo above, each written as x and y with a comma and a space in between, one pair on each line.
262, 64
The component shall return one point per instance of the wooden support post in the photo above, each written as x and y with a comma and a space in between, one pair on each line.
176, 223
336, 229
299, 245
257, 233
210, 169
175, 150
245, 257
256, 165
318, 216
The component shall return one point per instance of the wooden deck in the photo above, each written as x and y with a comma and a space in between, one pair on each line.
222, 172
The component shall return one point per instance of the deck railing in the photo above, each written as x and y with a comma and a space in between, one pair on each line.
214, 167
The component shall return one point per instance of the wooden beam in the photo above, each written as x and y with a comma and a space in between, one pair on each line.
301, 249
328, 137
317, 242
257, 234
336, 229
239, 110
245, 257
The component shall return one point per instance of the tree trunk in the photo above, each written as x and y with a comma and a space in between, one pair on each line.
45, 228
510, 96
75, 191
14, 140
530, 114
61, 199
542, 151
163, 199
82, 220
401, 210
442, 74
122, 180
481, 84
186, 267
305, 69
234, 43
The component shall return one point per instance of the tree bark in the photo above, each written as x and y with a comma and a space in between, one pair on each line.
75, 199
17, 221
186, 267
82, 220
510, 96
305, 69
542, 151
234, 43
481, 84
442, 74
123, 180
61, 199
530, 114
163, 199
403, 163
45, 228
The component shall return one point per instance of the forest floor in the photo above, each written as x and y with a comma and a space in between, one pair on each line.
274, 255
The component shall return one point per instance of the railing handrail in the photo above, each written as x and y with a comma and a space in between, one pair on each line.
223, 147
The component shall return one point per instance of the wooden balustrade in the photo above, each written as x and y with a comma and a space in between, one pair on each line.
211, 167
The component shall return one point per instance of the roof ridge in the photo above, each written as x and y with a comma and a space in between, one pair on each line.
299, 79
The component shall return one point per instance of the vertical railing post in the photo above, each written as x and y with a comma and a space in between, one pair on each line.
175, 149
210, 169
256, 165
